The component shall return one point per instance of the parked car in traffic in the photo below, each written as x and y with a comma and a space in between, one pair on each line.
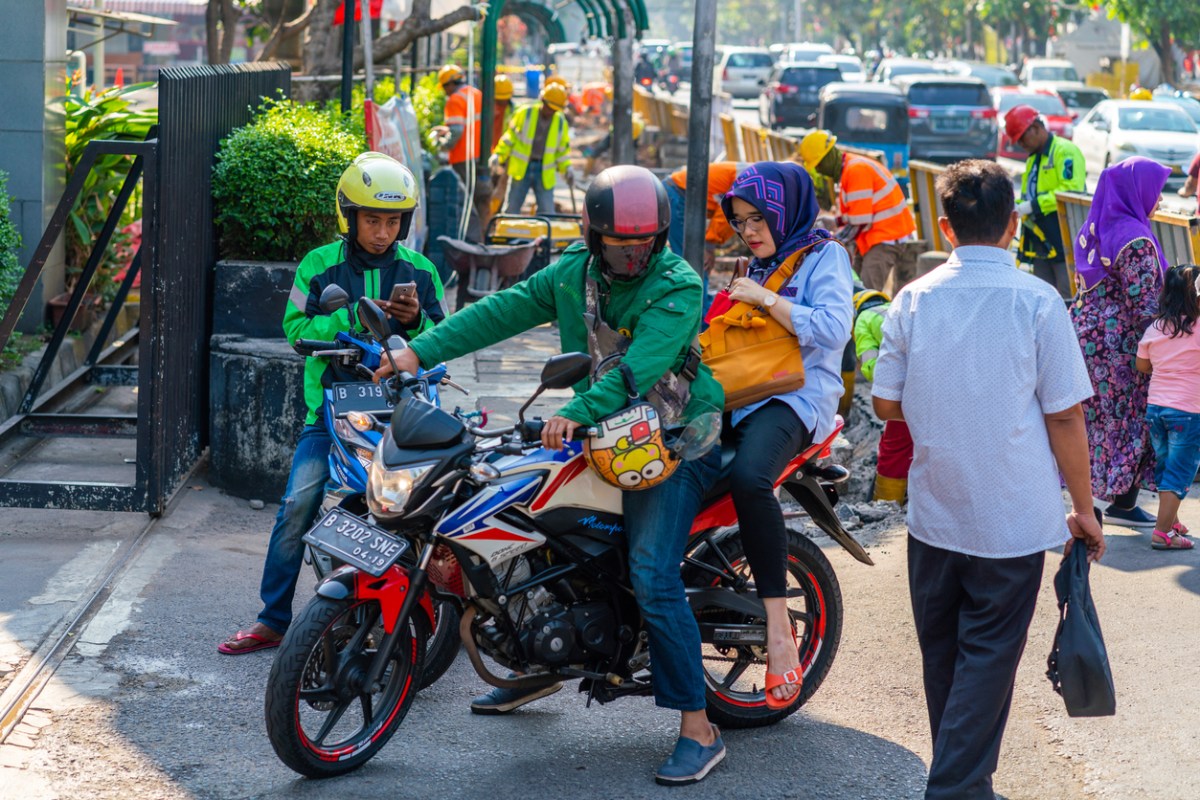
1049, 71
1058, 119
802, 51
791, 94
851, 66
1080, 99
869, 115
1185, 101
892, 68
742, 71
950, 118
1118, 129
994, 75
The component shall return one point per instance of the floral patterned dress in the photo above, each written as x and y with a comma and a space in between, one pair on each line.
1110, 320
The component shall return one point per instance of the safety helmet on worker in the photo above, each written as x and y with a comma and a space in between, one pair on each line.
554, 96
815, 146
451, 73
376, 182
626, 202
863, 296
1141, 93
504, 87
559, 80
1018, 120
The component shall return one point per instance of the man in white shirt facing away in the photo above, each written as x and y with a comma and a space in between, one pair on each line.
983, 364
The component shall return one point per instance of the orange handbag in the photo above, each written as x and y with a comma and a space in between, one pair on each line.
751, 355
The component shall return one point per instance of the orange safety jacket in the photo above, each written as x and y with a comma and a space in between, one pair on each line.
870, 197
721, 175
469, 116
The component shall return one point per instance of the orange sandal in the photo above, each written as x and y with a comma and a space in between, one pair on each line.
1158, 541
793, 677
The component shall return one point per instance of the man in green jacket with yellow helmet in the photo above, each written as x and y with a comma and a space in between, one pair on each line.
649, 299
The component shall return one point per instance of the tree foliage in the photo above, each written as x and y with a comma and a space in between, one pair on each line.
1158, 21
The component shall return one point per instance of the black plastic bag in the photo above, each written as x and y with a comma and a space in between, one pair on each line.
1078, 662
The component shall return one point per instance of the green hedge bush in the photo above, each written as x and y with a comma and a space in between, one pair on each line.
10, 243
275, 179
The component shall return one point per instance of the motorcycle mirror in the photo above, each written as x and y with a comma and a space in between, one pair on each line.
372, 318
566, 370
332, 298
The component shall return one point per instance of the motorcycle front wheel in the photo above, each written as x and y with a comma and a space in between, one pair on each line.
322, 717
735, 675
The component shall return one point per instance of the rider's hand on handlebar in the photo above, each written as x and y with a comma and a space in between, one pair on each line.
406, 310
406, 360
556, 431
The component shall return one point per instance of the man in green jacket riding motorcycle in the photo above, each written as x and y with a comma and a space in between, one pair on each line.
623, 287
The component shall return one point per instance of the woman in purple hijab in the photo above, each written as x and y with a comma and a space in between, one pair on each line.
1119, 269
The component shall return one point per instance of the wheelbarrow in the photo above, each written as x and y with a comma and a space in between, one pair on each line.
486, 268
554, 232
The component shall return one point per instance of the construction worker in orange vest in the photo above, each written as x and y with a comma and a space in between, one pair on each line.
460, 135
875, 212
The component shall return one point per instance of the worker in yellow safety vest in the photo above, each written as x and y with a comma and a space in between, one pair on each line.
875, 213
534, 151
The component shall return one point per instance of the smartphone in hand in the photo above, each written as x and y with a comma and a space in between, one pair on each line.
403, 290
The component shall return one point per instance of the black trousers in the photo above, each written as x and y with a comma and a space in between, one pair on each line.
972, 616
766, 441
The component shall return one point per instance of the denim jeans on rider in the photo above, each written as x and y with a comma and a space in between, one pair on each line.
519, 190
301, 502
657, 523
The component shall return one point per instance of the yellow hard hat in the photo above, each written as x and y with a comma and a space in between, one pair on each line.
1141, 93
555, 96
504, 88
815, 146
376, 182
868, 294
560, 80
449, 74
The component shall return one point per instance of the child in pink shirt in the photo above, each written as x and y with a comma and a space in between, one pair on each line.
1170, 353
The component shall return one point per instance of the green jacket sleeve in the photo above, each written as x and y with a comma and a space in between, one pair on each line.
490, 320
868, 336
662, 332
297, 324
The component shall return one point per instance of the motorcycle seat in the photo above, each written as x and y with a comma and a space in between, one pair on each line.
724, 477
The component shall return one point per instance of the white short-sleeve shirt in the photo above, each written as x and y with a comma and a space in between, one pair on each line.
977, 352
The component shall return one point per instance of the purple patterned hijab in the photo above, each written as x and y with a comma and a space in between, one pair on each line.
783, 193
1121, 207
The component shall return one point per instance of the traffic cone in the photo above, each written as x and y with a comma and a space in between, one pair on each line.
119, 80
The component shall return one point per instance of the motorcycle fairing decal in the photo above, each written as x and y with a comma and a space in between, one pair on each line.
496, 541
491, 500
389, 591
568, 473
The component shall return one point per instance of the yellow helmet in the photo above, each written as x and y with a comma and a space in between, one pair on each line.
560, 80
504, 88
451, 73
555, 96
377, 182
815, 146
861, 298
1141, 93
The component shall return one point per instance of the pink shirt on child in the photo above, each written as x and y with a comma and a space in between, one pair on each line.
1176, 379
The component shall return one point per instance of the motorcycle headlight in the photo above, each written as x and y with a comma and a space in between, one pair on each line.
388, 490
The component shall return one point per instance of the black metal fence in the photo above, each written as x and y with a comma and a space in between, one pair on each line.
198, 106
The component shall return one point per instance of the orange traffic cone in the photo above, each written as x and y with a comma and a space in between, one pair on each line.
119, 80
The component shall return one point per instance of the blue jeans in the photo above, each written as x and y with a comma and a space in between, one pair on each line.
519, 190
675, 233
1175, 437
657, 522
301, 502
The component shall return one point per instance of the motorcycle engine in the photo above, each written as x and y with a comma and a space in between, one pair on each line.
562, 635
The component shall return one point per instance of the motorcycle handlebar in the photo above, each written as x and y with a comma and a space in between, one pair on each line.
306, 347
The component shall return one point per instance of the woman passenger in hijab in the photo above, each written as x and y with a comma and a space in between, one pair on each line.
772, 206
1119, 268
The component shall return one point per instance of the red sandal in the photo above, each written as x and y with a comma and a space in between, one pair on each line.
1170, 541
260, 643
793, 677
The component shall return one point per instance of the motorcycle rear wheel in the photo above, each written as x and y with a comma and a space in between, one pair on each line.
322, 721
735, 676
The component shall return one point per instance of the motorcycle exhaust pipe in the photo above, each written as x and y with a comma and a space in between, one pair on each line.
468, 640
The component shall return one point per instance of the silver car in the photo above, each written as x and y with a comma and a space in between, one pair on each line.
950, 118
743, 71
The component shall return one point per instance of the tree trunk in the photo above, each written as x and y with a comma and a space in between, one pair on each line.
212, 39
229, 21
1166, 53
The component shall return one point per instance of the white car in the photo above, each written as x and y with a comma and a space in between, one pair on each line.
1049, 73
803, 51
743, 71
1118, 129
851, 66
